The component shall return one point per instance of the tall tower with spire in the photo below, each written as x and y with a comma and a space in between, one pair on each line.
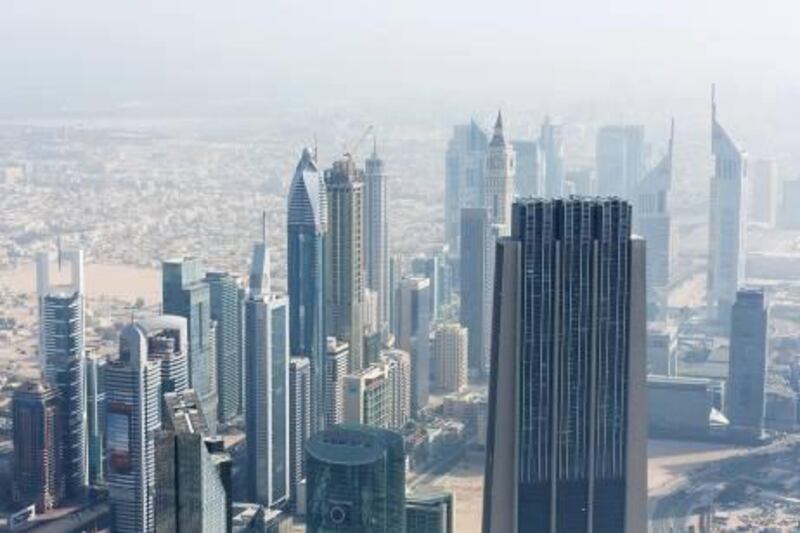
726, 221
498, 184
306, 233
376, 258
267, 383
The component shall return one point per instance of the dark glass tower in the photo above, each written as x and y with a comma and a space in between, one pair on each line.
356, 481
566, 446
307, 221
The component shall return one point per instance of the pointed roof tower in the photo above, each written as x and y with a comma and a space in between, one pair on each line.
259, 282
498, 139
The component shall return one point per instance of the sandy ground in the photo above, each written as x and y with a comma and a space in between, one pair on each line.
668, 461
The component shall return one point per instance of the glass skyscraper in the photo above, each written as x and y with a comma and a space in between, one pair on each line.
356, 481
566, 448
307, 223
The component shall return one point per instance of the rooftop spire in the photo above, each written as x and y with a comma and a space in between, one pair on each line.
714, 102
498, 138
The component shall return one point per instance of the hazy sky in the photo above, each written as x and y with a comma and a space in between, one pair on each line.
63, 54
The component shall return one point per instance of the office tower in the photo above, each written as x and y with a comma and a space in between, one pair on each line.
437, 269
464, 167
367, 397
376, 243
38, 467
566, 448
582, 180
620, 160
370, 319
373, 344
477, 277
226, 310
498, 180
267, 385
413, 334
747, 365
299, 421
551, 143
307, 229
395, 274
398, 373
790, 206
726, 236
167, 342
184, 292
763, 192
193, 479
133, 417
529, 177
96, 417
336, 362
449, 354
653, 219
356, 480
430, 513
62, 354
344, 285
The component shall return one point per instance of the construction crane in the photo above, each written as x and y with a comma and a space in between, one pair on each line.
354, 149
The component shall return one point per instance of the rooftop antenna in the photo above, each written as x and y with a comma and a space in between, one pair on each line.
714, 102
315, 148
671, 134
58, 246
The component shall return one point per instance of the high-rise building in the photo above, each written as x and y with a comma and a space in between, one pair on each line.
566, 448
226, 310
478, 237
747, 364
133, 417
464, 167
790, 206
529, 180
193, 479
763, 192
551, 143
582, 180
376, 242
430, 513
307, 229
653, 219
184, 292
96, 417
299, 421
267, 385
344, 284
413, 334
727, 220
167, 342
449, 357
498, 181
336, 362
367, 397
38, 467
620, 159
356, 481
62, 355
398, 373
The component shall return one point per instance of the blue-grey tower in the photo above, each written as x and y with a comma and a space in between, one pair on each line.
307, 228
566, 442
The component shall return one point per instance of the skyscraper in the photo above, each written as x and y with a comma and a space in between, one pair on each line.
477, 278
464, 167
267, 385
430, 513
566, 448
336, 360
167, 342
367, 397
552, 146
184, 292
620, 160
299, 421
653, 219
413, 334
356, 481
307, 228
398, 365
747, 364
38, 468
62, 355
193, 479
498, 182
529, 177
133, 416
763, 192
96, 417
226, 309
727, 220
344, 285
376, 243
449, 357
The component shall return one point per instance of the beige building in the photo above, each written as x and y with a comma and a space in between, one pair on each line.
450, 357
